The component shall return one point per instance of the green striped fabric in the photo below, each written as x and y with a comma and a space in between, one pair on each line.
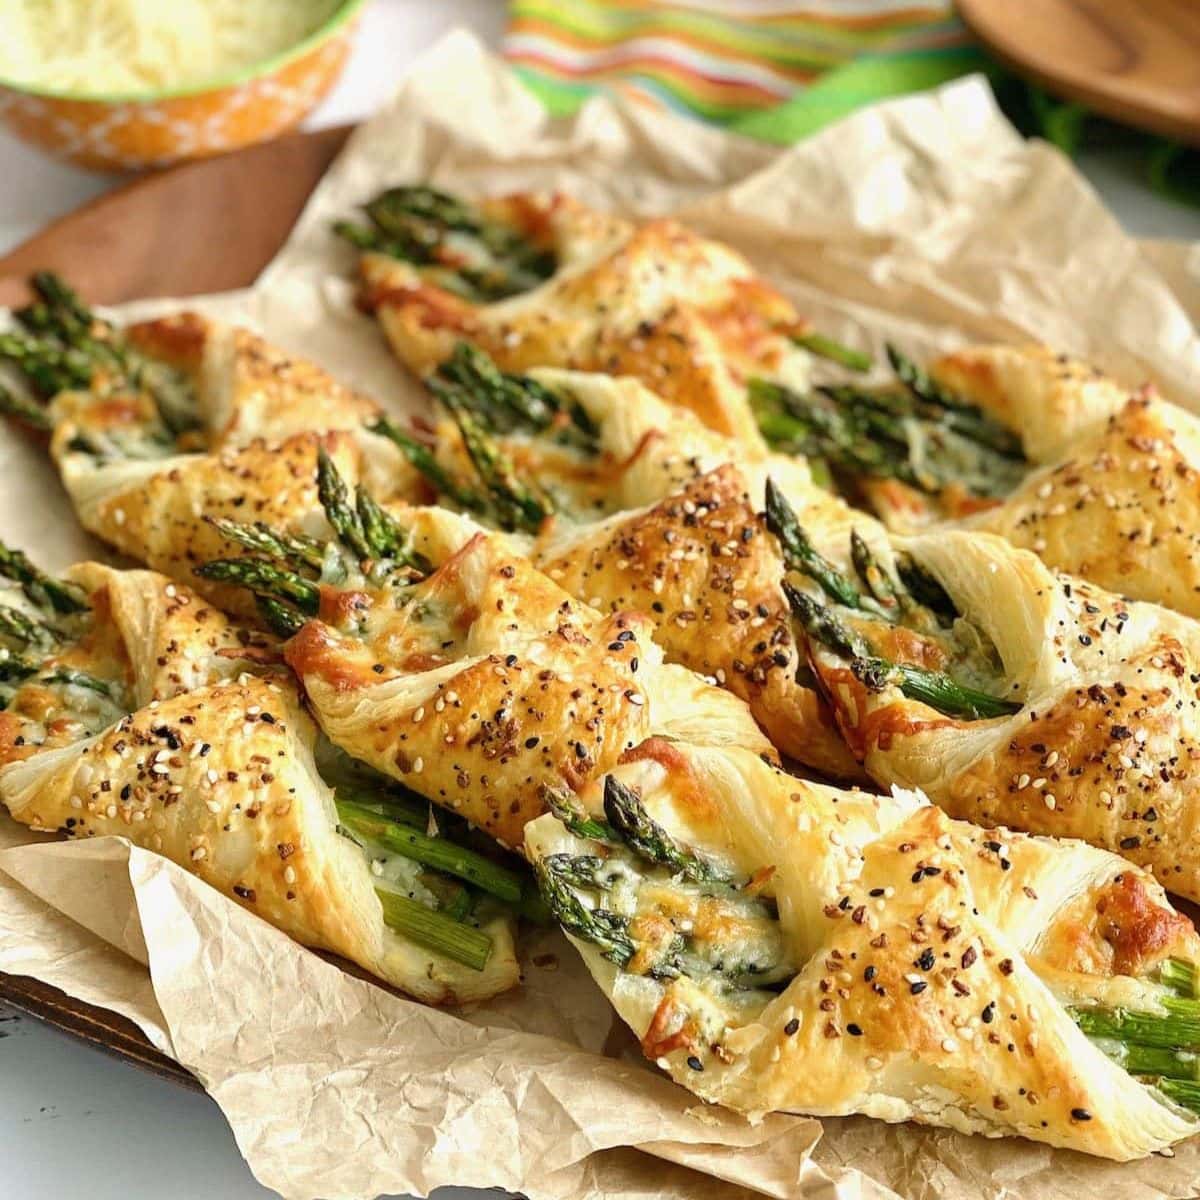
781, 69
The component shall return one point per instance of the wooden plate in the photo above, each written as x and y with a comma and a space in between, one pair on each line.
204, 227
1136, 61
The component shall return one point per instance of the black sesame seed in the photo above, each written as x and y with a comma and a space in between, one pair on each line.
1081, 1114
853, 1030
792, 1027
695, 1063
917, 987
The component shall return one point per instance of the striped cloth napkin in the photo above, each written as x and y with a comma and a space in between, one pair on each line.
781, 69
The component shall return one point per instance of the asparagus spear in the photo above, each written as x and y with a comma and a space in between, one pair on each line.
50, 369
506, 401
1154, 1060
647, 838
1184, 1092
934, 688
21, 628
826, 347
871, 572
22, 409
517, 505
921, 384
1179, 976
583, 871
339, 511
801, 555
292, 550
42, 589
422, 458
924, 588
438, 853
565, 807
435, 931
70, 675
1178, 1028
265, 579
948, 696
13, 667
282, 619
606, 930
386, 537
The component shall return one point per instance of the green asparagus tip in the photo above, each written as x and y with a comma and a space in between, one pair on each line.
606, 930
801, 555
42, 589
826, 347
647, 838
26, 411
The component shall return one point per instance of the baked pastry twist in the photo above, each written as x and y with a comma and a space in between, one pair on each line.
129, 706
779, 945
1013, 695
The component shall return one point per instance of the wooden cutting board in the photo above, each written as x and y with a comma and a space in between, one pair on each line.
1136, 61
203, 227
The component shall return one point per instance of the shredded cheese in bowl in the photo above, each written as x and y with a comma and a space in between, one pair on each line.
143, 47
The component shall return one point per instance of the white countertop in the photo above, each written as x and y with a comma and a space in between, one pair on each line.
78, 1122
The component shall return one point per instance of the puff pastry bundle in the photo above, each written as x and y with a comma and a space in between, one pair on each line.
154, 424
1047, 451
636, 505
686, 315
780, 945
437, 654
129, 706
1008, 693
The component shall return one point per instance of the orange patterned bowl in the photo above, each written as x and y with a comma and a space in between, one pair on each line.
158, 128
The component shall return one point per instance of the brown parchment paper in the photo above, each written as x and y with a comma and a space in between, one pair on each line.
926, 220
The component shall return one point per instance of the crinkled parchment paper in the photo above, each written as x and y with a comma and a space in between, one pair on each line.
926, 220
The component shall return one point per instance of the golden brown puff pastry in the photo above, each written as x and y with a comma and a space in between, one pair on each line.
240, 387
1050, 400
686, 315
633, 448
124, 640
222, 780
1025, 698
460, 670
708, 573
1121, 509
158, 510
683, 543
779, 945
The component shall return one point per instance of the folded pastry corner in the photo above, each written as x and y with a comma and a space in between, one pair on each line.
130, 706
1014, 695
781, 945
541, 280
439, 655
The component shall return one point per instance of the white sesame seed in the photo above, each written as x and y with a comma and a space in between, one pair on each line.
418, 765
1050, 800
289, 874
198, 853
949, 1045
419, 715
